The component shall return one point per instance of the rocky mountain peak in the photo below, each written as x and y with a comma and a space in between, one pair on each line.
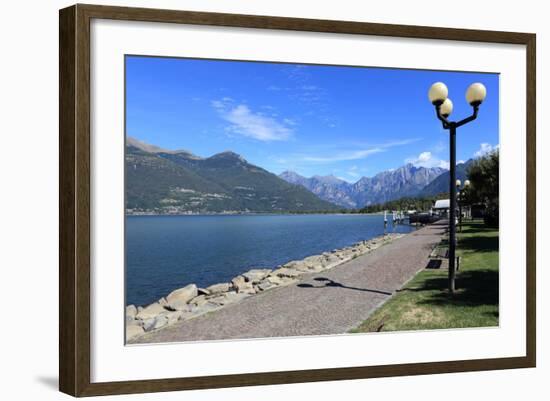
407, 180
228, 155
328, 179
146, 147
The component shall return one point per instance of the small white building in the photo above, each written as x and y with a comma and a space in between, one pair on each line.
442, 205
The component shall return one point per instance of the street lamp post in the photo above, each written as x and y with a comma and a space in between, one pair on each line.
438, 95
460, 197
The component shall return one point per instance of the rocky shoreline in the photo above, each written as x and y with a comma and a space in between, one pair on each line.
190, 301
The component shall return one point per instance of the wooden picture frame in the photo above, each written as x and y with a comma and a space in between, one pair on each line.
74, 203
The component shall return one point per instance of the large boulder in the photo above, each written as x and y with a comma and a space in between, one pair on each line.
149, 324
156, 322
287, 272
299, 265
202, 291
160, 321
198, 300
313, 261
278, 280
256, 275
133, 331
317, 268
266, 284
131, 311
178, 299
247, 288
242, 286
150, 311
345, 255
175, 316
218, 288
200, 310
237, 281
331, 261
227, 298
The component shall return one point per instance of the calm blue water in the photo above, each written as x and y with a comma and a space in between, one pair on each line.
167, 252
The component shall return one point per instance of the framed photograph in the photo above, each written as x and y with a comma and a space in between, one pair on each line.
249, 200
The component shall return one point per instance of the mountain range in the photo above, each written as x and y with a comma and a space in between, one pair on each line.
177, 181
407, 180
174, 182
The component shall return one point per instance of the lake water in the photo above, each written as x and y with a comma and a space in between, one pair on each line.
168, 252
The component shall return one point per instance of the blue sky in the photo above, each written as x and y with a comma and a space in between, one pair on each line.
315, 120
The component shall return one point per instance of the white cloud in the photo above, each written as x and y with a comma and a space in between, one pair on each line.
252, 124
485, 148
399, 142
428, 160
352, 155
351, 152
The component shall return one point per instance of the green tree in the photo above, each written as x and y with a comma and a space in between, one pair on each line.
483, 176
407, 203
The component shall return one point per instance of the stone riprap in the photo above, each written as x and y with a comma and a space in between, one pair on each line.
189, 302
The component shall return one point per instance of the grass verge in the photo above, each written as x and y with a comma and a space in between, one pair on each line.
424, 302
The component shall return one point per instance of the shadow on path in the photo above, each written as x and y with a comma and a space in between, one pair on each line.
331, 283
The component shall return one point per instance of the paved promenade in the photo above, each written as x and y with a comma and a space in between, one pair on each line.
330, 302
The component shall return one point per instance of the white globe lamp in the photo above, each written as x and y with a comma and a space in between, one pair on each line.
446, 108
476, 93
438, 93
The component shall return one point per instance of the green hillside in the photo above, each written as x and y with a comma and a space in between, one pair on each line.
179, 182
441, 183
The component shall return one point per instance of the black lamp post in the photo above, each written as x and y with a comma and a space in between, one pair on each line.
438, 95
460, 197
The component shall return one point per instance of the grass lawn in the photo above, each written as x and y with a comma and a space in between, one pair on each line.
425, 303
